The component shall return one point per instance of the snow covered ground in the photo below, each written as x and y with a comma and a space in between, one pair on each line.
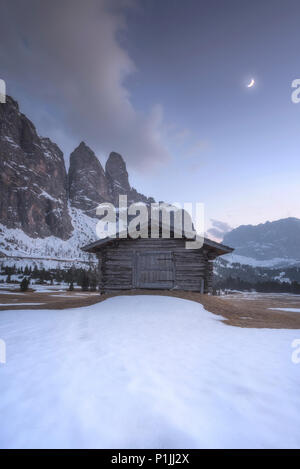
142, 372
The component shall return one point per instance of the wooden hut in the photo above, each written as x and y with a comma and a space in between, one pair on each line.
160, 263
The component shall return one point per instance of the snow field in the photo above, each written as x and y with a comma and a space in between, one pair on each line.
145, 372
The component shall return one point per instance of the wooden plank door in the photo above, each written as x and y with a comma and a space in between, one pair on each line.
154, 269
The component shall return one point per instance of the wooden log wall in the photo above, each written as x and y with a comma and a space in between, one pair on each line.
193, 268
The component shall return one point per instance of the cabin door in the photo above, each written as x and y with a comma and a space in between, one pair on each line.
154, 269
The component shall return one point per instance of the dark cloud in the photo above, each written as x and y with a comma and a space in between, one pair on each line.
63, 57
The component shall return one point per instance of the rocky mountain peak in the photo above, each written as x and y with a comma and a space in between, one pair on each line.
116, 173
83, 155
118, 181
33, 193
35, 190
87, 182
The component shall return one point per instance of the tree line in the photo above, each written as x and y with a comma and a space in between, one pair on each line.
86, 279
268, 286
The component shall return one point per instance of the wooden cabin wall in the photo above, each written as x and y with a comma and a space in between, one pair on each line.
191, 266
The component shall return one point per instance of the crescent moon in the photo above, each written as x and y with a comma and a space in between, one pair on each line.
251, 83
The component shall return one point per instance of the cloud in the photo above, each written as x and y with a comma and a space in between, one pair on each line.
65, 60
218, 229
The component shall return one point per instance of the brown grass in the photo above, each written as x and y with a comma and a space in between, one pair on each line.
49, 300
236, 310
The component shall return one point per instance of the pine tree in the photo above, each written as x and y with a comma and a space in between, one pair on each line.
85, 282
24, 284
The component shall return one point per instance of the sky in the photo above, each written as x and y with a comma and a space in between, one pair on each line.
164, 83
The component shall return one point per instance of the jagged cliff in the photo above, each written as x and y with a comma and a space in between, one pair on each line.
89, 185
40, 201
33, 190
118, 182
87, 182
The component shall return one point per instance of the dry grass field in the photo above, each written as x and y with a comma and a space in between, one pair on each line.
14, 299
251, 310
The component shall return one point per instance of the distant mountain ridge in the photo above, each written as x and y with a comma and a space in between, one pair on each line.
278, 239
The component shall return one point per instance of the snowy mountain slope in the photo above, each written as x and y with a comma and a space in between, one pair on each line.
16, 247
277, 241
273, 263
253, 273
269, 252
